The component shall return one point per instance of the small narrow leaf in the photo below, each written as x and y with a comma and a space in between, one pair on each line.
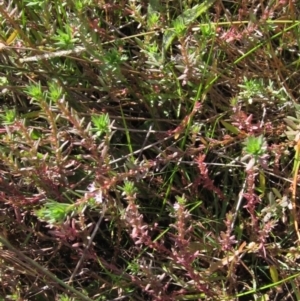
277, 193
262, 182
230, 127
274, 273
12, 37
188, 16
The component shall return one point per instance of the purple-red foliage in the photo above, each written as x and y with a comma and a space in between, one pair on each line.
204, 179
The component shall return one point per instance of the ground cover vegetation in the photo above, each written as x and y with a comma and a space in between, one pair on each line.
149, 150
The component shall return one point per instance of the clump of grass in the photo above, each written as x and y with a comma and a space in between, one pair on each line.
149, 151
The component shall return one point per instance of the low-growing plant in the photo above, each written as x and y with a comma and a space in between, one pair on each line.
149, 151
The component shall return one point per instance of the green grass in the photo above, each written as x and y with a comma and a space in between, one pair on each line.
149, 150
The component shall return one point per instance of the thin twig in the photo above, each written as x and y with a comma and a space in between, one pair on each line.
145, 141
87, 246
238, 205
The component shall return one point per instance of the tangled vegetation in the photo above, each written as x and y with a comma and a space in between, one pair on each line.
149, 150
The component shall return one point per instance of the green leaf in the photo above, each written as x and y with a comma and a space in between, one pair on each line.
230, 127
12, 37
187, 17
54, 212
262, 183
255, 146
35, 134
100, 124
274, 274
